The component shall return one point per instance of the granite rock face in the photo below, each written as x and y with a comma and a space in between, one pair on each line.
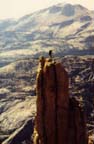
23, 134
17, 97
13, 122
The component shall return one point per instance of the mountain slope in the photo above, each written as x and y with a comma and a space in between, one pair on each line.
66, 29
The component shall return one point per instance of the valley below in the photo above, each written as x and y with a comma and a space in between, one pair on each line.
18, 91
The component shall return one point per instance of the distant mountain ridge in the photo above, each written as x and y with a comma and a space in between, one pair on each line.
64, 28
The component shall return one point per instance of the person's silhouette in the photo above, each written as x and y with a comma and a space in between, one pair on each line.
50, 53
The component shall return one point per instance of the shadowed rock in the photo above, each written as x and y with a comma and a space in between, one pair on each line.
22, 134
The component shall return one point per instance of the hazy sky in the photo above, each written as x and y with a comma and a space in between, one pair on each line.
18, 8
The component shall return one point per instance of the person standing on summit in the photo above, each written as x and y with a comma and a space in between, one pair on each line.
50, 53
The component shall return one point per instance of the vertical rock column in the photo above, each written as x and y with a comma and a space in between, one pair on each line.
52, 103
